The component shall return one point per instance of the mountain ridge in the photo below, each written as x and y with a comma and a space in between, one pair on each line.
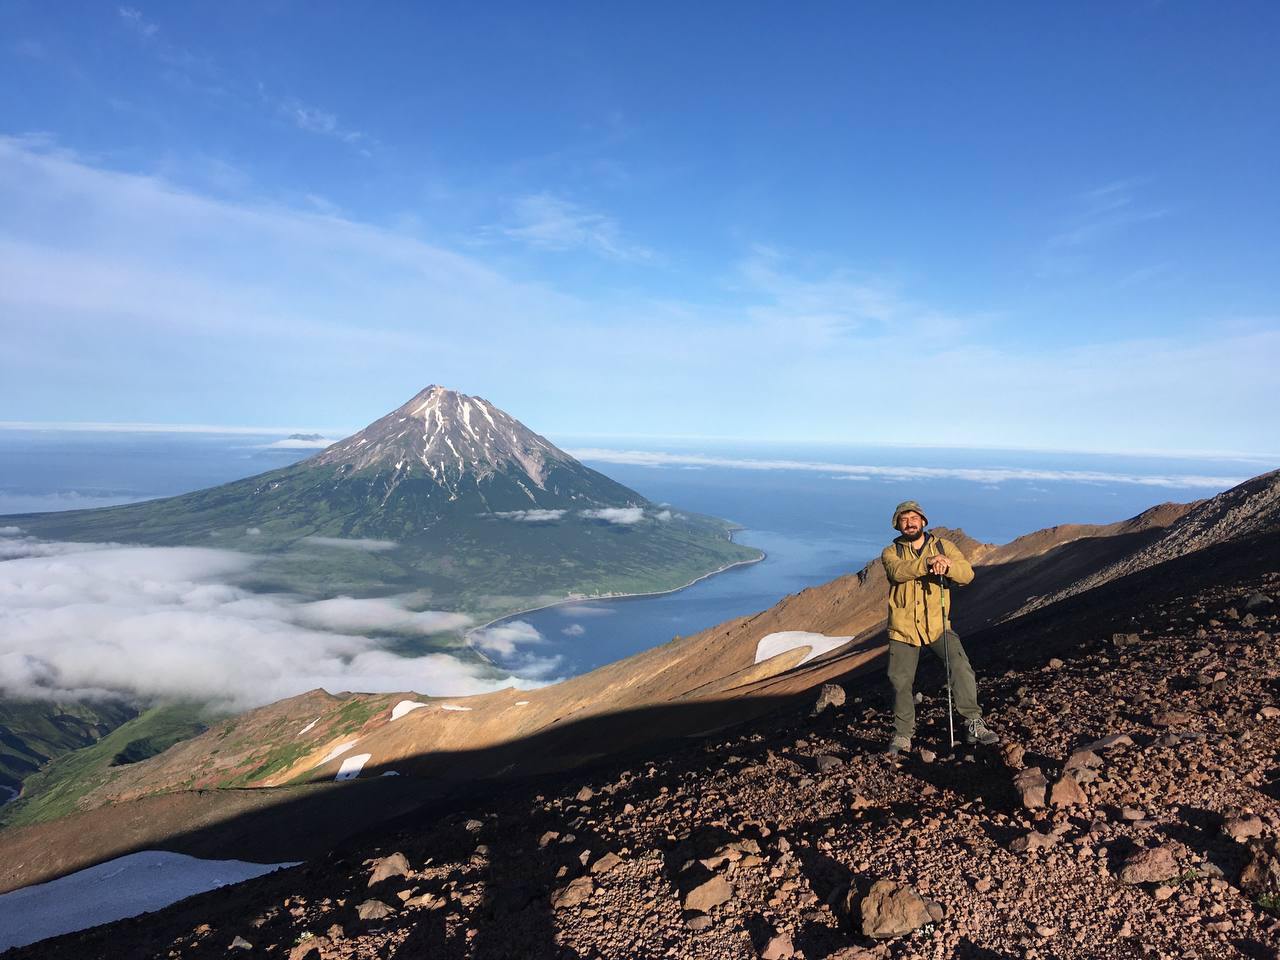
1154, 827
715, 677
446, 496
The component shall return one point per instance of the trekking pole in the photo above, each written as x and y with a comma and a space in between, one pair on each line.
946, 655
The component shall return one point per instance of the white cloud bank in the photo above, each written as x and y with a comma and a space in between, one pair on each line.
531, 516
510, 643
152, 623
851, 471
296, 443
106, 273
624, 516
355, 543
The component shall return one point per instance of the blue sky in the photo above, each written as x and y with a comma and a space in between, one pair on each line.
998, 224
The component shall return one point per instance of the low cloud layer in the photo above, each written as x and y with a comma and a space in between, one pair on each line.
620, 515
851, 471
298, 443
531, 516
154, 623
343, 543
514, 645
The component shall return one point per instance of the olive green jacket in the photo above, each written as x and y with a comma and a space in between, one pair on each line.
916, 598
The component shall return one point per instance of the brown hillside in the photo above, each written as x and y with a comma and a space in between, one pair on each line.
690, 686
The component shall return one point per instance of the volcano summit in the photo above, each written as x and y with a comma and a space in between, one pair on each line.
447, 496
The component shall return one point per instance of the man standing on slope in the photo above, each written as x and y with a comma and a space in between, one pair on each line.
919, 566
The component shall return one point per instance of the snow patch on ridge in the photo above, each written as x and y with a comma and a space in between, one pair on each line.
308, 726
453, 706
405, 706
778, 643
352, 766
335, 753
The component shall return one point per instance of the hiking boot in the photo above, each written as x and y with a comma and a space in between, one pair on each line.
975, 731
899, 744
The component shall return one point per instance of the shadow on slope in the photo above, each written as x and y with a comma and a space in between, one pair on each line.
310, 822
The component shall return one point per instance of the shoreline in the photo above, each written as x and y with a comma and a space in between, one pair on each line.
621, 596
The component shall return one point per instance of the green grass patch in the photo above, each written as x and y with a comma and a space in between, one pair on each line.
55, 790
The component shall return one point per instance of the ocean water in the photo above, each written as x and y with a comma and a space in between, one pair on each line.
817, 511
823, 511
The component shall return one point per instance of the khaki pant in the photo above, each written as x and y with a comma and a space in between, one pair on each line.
903, 658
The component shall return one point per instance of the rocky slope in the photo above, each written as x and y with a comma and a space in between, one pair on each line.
683, 688
1133, 811
1249, 509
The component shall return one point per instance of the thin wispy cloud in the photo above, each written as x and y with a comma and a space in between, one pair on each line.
850, 471
822, 308
365, 544
134, 19
201, 74
531, 516
316, 120
548, 222
147, 624
1098, 215
125, 427
298, 443
173, 273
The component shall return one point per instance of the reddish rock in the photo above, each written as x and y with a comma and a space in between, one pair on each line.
1149, 866
1261, 875
309, 946
706, 896
1242, 827
779, 947
1110, 742
1067, 793
374, 910
831, 695
892, 909
1033, 840
1031, 785
576, 892
396, 865
1083, 760
606, 863
1013, 754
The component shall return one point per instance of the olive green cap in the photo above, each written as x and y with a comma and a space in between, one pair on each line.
906, 506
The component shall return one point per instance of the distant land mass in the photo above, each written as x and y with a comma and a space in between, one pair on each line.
447, 496
317, 763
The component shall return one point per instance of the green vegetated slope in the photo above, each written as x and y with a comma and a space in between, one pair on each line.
467, 558
34, 732
446, 501
53, 791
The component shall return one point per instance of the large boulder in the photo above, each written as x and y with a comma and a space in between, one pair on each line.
1261, 875
396, 865
892, 909
573, 894
374, 910
1149, 866
1031, 786
831, 695
708, 895
1066, 792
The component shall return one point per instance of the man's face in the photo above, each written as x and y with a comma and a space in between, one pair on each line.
911, 523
